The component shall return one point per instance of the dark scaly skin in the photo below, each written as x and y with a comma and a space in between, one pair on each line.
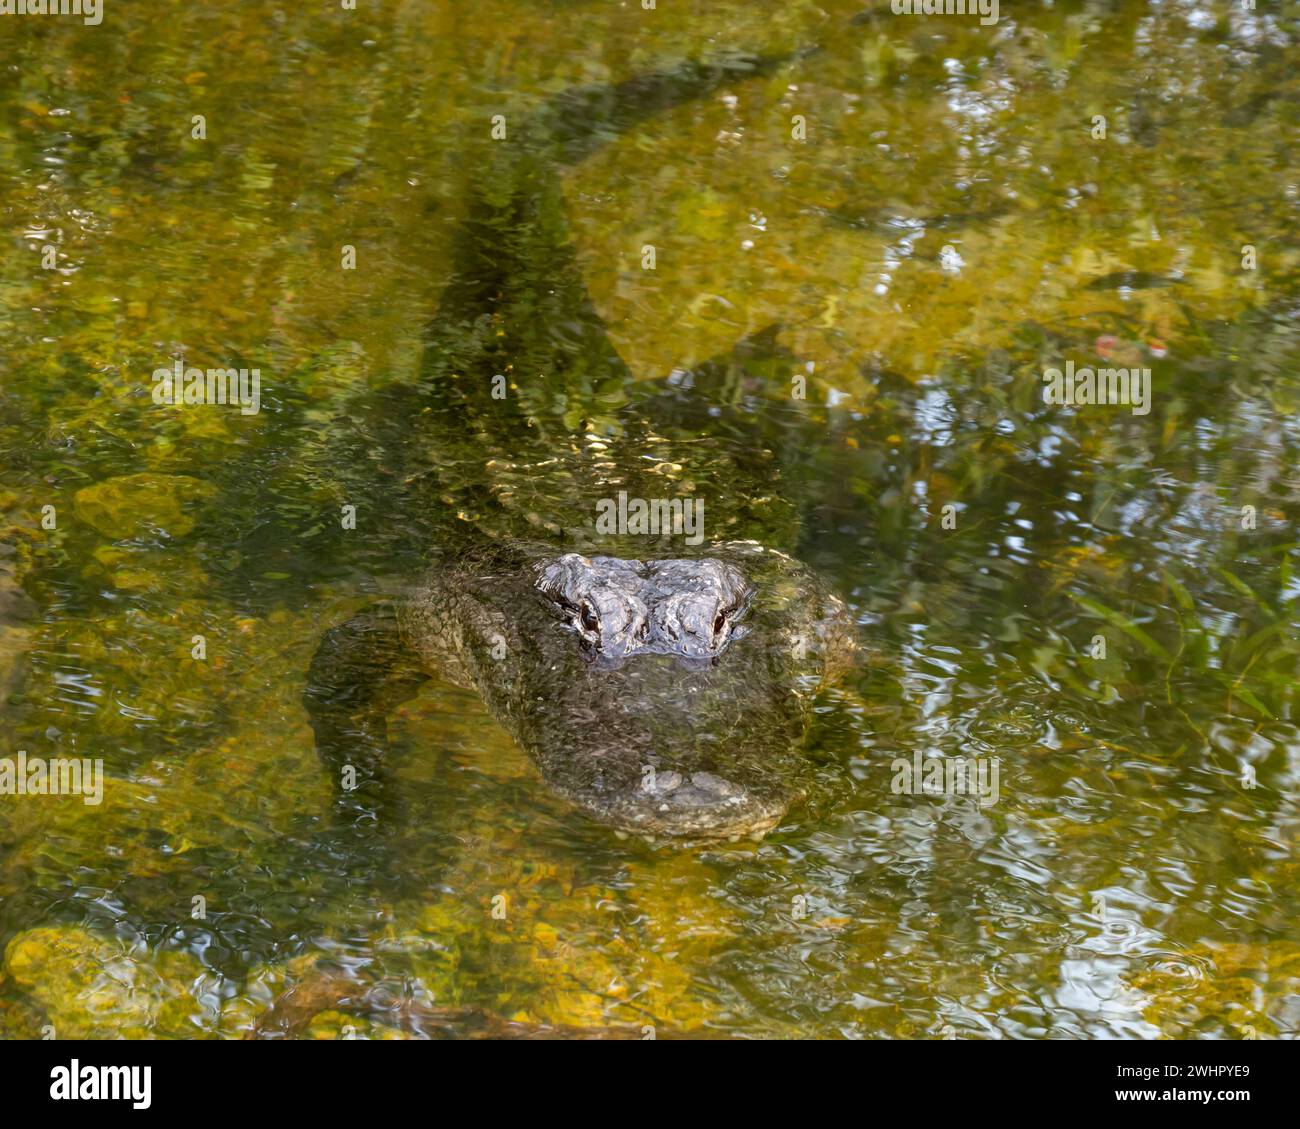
663, 695
653, 739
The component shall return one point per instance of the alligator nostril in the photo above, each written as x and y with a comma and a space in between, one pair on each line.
701, 791
714, 785
661, 783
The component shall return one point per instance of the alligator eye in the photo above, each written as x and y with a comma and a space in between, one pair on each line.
588, 617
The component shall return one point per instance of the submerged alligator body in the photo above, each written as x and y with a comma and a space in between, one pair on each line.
659, 693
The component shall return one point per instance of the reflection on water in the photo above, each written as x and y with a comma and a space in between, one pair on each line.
1103, 601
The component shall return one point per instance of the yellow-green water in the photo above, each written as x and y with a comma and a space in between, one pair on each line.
947, 227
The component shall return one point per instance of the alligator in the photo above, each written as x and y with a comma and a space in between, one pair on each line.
662, 692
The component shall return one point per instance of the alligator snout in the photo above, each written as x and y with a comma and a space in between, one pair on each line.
703, 803
664, 746
687, 805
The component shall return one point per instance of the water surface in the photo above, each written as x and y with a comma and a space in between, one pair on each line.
947, 228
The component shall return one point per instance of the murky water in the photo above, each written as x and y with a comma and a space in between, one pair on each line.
1096, 602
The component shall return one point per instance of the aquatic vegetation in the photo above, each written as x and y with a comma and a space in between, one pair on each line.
96, 988
135, 505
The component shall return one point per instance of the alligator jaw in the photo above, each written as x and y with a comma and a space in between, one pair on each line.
692, 813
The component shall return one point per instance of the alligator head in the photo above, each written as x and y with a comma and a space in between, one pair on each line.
668, 697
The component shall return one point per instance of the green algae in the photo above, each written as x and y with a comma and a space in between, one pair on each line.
95, 988
134, 505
